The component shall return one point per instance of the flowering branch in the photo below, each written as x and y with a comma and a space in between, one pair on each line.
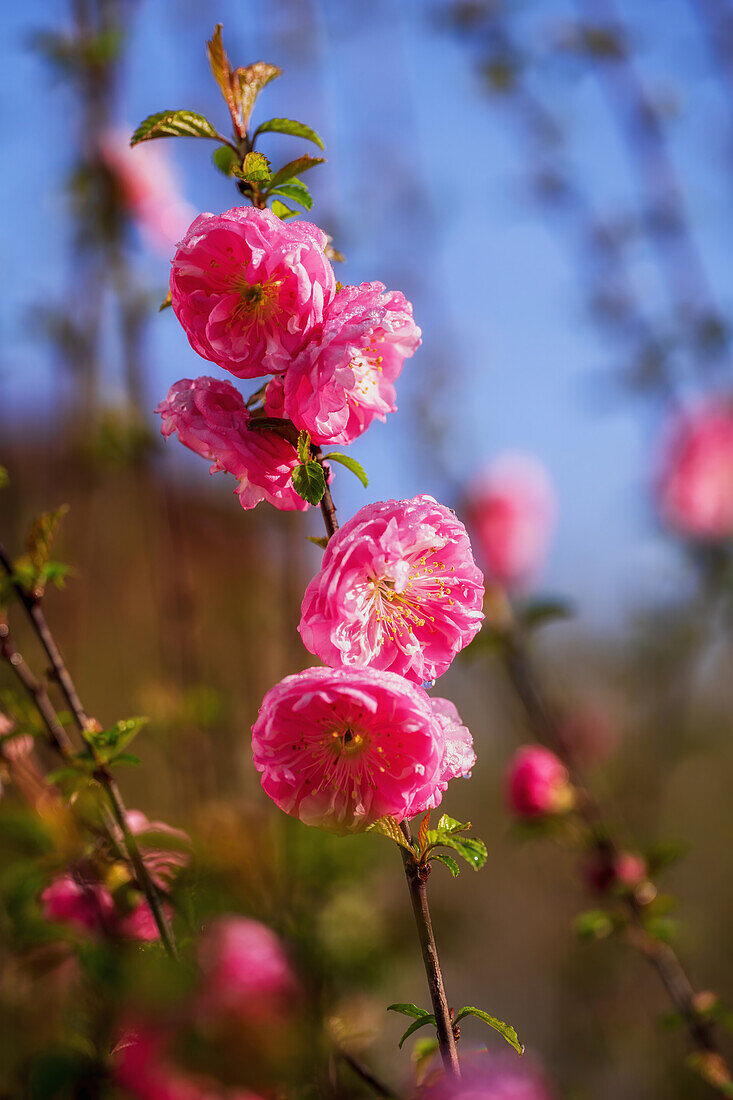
31, 601
710, 1061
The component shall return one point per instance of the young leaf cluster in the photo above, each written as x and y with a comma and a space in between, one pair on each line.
446, 834
421, 1017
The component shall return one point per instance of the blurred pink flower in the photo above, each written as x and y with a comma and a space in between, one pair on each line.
589, 734
695, 487
622, 871
511, 513
165, 850
458, 756
341, 748
142, 1069
345, 378
537, 783
398, 590
250, 289
244, 967
88, 906
492, 1077
211, 419
149, 189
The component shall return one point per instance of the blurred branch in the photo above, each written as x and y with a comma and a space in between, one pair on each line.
543, 722
102, 773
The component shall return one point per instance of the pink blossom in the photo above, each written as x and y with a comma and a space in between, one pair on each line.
537, 783
345, 378
88, 906
165, 850
511, 512
244, 966
458, 756
211, 419
398, 589
148, 188
341, 748
695, 488
250, 289
139, 924
142, 1068
491, 1077
589, 734
609, 870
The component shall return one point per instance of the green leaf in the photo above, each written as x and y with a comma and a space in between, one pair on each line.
470, 848
449, 825
283, 212
448, 861
428, 1018
39, 539
225, 159
309, 481
173, 124
350, 464
407, 1008
288, 126
296, 191
504, 1029
387, 826
126, 758
594, 924
255, 169
166, 303
109, 743
285, 428
318, 540
293, 168
304, 446
4, 477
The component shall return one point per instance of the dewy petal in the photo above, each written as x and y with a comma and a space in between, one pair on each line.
344, 378
211, 419
250, 290
341, 748
398, 590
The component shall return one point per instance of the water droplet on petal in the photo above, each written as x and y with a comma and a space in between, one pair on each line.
428, 684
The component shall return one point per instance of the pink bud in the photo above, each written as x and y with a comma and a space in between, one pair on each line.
695, 488
537, 783
244, 966
605, 871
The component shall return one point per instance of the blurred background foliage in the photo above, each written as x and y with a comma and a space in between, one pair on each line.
550, 184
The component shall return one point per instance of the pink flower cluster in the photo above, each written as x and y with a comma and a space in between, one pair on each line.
695, 487
243, 973
258, 296
511, 511
341, 748
398, 590
90, 907
491, 1077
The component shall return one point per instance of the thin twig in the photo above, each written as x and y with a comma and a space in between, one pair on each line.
366, 1075
102, 774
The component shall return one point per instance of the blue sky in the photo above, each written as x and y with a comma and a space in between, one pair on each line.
426, 189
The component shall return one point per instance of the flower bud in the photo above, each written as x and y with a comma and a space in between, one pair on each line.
537, 783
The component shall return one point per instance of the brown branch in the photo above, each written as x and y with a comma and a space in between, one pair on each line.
102, 774
418, 887
663, 958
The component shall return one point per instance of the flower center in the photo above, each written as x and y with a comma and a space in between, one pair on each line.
256, 301
367, 366
398, 613
347, 742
